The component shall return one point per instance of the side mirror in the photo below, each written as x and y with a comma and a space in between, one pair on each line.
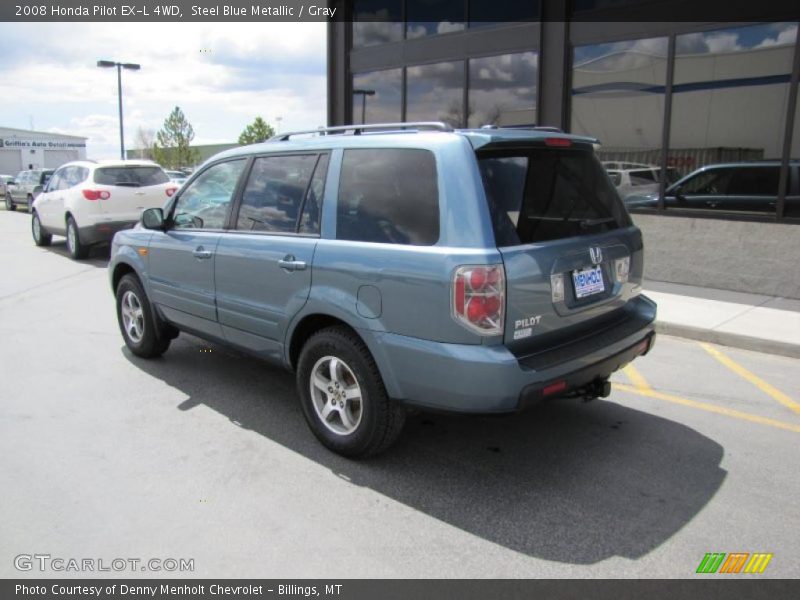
153, 218
679, 195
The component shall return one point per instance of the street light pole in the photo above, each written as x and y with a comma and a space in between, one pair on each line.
119, 66
364, 94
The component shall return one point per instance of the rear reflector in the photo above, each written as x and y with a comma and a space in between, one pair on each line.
642, 347
171, 191
554, 388
558, 142
96, 194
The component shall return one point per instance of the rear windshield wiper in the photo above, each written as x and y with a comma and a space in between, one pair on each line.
127, 184
567, 219
586, 223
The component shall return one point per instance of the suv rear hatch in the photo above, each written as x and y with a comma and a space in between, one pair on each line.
572, 257
132, 189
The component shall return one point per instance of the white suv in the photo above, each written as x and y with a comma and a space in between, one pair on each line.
88, 201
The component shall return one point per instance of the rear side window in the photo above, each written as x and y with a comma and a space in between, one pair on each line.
273, 196
755, 181
130, 176
388, 196
543, 194
643, 177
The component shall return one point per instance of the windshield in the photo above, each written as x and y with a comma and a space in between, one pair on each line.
544, 194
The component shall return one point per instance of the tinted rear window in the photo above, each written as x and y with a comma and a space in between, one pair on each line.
543, 194
130, 176
389, 196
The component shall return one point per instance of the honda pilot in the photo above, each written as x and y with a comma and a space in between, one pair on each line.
397, 266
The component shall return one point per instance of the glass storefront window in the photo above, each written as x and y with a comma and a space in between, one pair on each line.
729, 102
618, 93
792, 206
435, 92
377, 22
502, 89
377, 96
432, 17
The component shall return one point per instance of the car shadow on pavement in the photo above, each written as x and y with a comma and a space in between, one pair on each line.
99, 254
566, 481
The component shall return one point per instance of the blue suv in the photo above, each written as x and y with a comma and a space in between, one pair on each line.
396, 266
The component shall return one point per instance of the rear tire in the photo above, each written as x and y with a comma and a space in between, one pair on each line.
343, 397
77, 250
10, 203
136, 322
40, 236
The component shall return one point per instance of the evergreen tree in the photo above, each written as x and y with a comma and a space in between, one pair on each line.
173, 142
258, 131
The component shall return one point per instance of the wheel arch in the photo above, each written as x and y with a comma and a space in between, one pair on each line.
311, 323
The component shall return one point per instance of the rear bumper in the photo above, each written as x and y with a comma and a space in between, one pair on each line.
490, 379
102, 231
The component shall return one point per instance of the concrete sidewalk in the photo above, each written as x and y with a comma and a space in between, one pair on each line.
750, 321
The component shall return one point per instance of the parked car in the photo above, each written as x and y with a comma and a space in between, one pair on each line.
745, 187
177, 177
637, 178
88, 202
4, 179
476, 271
25, 187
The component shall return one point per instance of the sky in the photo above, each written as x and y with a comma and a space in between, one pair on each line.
221, 75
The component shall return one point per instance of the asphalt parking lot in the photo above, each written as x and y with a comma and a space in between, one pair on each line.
204, 454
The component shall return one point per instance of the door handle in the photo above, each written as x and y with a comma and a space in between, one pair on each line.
201, 253
288, 263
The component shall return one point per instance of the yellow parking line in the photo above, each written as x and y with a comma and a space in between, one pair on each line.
637, 379
720, 410
771, 391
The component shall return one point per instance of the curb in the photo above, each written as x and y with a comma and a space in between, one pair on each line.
734, 340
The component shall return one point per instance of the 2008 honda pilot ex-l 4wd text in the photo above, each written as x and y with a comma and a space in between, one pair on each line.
398, 265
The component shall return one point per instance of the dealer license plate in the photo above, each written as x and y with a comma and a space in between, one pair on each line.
588, 282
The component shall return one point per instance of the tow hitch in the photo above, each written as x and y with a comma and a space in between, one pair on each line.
599, 388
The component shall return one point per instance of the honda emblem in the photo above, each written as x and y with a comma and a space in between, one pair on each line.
596, 254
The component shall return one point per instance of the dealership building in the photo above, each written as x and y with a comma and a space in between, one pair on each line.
22, 149
673, 95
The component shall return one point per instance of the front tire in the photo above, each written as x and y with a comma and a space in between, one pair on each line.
30, 204
40, 236
343, 397
75, 247
136, 320
10, 203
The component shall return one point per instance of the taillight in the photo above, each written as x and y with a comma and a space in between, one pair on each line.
558, 142
171, 191
479, 298
96, 194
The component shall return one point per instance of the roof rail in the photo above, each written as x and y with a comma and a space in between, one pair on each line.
358, 129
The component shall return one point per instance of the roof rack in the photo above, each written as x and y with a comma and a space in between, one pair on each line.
358, 129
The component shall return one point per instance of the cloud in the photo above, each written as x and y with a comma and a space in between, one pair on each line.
786, 35
221, 74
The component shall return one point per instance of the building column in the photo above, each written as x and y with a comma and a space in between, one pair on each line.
554, 86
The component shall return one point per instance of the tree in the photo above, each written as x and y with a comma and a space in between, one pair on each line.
258, 131
145, 143
173, 142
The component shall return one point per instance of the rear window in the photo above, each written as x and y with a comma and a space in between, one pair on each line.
130, 176
543, 194
388, 196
